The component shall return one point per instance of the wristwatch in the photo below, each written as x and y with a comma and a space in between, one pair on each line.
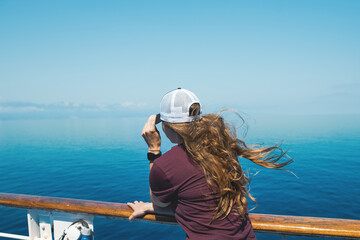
151, 156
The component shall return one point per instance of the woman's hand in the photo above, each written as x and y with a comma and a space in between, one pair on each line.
151, 135
140, 209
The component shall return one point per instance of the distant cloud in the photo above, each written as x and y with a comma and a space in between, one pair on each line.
142, 104
347, 86
127, 104
20, 109
132, 104
337, 94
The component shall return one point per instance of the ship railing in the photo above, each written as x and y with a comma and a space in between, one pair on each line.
49, 216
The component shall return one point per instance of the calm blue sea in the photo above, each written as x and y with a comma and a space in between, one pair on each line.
105, 159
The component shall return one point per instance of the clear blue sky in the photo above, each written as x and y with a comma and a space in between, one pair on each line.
297, 57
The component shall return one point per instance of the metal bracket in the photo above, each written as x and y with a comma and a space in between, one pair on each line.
40, 225
44, 225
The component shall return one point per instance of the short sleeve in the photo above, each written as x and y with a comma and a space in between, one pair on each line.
160, 185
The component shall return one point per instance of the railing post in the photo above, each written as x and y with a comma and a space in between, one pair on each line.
33, 225
40, 225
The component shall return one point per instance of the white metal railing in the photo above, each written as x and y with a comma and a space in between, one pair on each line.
49, 225
13, 236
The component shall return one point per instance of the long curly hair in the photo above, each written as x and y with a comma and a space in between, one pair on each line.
213, 144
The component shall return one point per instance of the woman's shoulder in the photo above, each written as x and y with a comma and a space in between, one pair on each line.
175, 152
176, 157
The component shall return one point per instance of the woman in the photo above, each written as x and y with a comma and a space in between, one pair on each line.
200, 180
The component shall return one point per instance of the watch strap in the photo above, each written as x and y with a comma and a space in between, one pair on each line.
151, 156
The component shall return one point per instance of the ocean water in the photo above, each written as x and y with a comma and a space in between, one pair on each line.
105, 160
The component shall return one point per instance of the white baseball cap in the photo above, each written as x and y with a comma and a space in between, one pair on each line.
175, 106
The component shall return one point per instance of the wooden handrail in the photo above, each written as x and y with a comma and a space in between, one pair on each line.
288, 225
107, 209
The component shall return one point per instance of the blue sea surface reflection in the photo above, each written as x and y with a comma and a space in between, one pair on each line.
104, 159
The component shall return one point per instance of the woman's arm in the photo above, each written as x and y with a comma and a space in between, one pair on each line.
155, 206
152, 138
141, 208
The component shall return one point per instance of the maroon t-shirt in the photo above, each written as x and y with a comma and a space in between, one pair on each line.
175, 178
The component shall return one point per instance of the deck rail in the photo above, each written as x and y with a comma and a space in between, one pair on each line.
274, 224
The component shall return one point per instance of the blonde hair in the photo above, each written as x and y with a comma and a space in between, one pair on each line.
214, 146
